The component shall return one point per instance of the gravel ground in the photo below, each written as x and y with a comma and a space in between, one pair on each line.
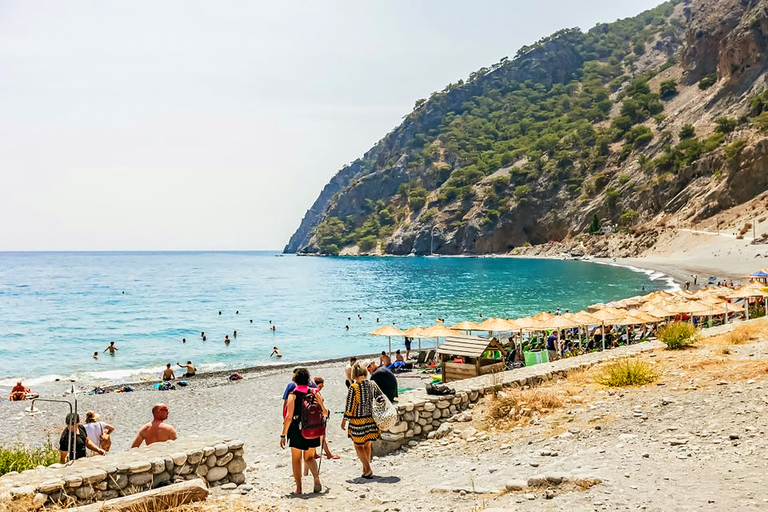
693, 441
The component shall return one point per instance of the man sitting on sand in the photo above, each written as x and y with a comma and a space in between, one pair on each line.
19, 392
385, 360
168, 373
191, 370
156, 431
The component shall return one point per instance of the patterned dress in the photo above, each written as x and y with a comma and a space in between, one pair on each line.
362, 427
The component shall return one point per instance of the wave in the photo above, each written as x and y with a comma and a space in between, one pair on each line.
653, 275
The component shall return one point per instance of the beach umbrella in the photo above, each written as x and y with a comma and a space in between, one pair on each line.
437, 331
559, 322
646, 317
543, 316
608, 315
415, 332
388, 331
495, 325
466, 326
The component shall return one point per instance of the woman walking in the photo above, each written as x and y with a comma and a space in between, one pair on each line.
301, 447
359, 413
98, 431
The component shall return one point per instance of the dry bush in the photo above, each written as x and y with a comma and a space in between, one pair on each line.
627, 372
519, 406
678, 335
744, 333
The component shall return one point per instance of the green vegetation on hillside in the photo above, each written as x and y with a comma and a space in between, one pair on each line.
514, 118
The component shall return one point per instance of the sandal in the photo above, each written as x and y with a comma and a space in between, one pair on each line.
334, 456
317, 456
367, 477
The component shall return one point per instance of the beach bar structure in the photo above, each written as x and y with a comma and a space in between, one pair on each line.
471, 349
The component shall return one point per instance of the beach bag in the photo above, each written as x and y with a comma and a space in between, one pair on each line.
439, 389
384, 412
106, 441
312, 420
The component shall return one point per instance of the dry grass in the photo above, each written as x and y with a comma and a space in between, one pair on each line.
627, 372
744, 334
518, 407
678, 335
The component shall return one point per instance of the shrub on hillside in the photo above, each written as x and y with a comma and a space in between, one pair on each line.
708, 81
627, 372
678, 335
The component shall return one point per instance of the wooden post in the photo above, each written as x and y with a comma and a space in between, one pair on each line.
442, 359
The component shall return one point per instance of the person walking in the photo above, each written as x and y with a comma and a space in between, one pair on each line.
301, 447
74, 440
359, 414
320, 383
98, 431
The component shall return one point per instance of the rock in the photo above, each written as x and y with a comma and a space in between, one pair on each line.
140, 479
50, 486
229, 487
516, 485
537, 481
646, 455
722, 383
237, 478
733, 436
429, 407
555, 479
223, 461
678, 442
201, 470
139, 467
84, 492
118, 482
220, 449
236, 465
211, 461
73, 481
194, 456
179, 458
39, 499
216, 473
161, 479
529, 496
235, 445
246, 487
549, 494
443, 430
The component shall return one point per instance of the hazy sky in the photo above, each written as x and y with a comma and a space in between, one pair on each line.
181, 125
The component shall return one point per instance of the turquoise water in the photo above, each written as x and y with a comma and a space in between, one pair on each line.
56, 309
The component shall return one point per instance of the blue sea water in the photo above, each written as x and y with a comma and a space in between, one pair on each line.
57, 309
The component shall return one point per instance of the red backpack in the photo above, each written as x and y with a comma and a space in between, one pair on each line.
312, 421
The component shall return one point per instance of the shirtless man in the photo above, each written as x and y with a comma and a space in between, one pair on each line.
191, 370
168, 373
156, 431
112, 348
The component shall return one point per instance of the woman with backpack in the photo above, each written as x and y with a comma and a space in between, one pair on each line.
359, 413
303, 427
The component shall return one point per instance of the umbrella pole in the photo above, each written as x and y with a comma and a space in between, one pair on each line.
602, 323
389, 341
746, 308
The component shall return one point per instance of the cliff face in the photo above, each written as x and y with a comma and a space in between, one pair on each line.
458, 177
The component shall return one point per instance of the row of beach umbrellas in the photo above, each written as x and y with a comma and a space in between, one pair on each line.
652, 308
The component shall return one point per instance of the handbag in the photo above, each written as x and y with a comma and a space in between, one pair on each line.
106, 441
383, 411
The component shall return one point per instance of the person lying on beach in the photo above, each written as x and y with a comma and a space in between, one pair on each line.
156, 431
168, 373
74, 440
191, 370
19, 392
112, 348
275, 352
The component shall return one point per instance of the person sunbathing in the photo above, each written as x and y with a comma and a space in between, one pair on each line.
19, 392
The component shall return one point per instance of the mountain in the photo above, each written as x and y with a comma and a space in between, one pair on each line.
657, 118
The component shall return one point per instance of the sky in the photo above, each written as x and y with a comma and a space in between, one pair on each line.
187, 125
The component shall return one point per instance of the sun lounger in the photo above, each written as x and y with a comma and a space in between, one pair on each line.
421, 358
430, 356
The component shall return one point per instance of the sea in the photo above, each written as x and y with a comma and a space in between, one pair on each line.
58, 308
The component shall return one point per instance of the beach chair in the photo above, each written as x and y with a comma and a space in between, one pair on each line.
421, 358
430, 356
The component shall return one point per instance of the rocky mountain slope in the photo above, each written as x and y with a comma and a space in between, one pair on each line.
654, 119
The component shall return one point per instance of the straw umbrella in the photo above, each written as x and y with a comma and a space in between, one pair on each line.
609, 315
388, 331
466, 326
415, 332
437, 331
559, 322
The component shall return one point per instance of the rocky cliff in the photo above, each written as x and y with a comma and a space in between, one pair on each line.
631, 124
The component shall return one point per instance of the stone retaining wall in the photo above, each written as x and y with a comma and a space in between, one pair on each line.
217, 460
419, 413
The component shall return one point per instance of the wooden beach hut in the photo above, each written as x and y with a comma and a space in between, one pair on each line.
471, 350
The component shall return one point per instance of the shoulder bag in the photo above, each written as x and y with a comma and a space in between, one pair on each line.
384, 412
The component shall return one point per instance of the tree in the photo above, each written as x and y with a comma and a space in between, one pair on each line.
687, 131
725, 124
668, 89
594, 226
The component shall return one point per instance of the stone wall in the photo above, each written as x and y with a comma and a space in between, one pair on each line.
217, 460
420, 415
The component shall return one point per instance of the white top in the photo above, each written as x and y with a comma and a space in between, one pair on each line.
94, 431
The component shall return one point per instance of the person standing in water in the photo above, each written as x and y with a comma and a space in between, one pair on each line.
226, 339
95, 355
275, 352
111, 348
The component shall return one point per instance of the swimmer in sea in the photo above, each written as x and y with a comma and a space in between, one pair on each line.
237, 312
251, 321
226, 339
219, 312
234, 334
273, 328
346, 327
112, 348
275, 352
183, 340
95, 355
